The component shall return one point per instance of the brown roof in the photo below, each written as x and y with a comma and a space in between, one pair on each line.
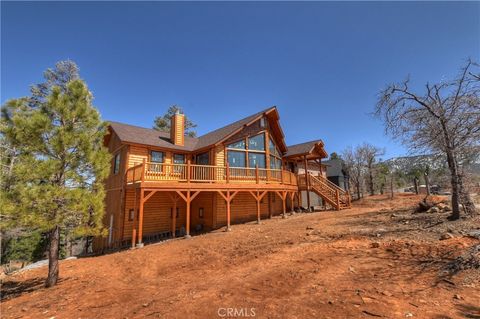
147, 136
303, 148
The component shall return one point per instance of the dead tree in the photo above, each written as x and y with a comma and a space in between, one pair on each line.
354, 164
444, 119
370, 154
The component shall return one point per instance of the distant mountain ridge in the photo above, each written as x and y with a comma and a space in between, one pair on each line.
434, 162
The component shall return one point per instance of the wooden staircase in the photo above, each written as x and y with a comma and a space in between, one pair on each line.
328, 191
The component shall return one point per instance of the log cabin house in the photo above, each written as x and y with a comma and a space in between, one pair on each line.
164, 185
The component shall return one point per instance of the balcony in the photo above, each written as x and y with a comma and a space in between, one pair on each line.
207, 174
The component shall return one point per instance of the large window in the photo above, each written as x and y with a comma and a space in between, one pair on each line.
203, 159
116, 163
179, 158
275, 156
248, 152
255, 159
157, 157
240, 145
257, 142
275, 163
236, 159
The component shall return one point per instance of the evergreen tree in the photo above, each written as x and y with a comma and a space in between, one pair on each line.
162, 123
60, 168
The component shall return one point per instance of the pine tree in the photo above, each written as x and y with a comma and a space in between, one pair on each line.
162, 123
61, 166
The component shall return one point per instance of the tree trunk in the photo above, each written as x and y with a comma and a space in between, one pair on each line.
370, 181
454, 182
391, 187
415, 183
464, 198
358, 190
53, 253
427, 184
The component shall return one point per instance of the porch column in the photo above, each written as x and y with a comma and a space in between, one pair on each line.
187, 220
143, 199
188, 198
140, 219
283, 196
228, 198
292, 204
258, 197
307, 181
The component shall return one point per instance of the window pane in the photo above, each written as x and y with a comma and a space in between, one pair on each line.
238, 145
203, 159
256, 158
236, 159
257, 142
116, 164
179, 158
273, 149
157, 157
275, 163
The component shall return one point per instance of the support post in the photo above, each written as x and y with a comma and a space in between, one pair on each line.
228, 211
307, 181
174, 216
292, 204
144, 167
187, 226
337, 194
284, 202
134, 235
257, 178
140, 219
188, 171
258, 207
227, 173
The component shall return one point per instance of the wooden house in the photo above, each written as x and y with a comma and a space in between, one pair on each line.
167, 184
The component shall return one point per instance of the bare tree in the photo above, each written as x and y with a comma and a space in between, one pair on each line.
370, 154
444, 119
355, 166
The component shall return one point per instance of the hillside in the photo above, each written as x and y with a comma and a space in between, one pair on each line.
405, 164
374, 260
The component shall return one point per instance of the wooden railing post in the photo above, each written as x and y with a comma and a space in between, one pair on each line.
144, 168
228, 173
281, 176
257, 178
188, 171
133, 175
337, 193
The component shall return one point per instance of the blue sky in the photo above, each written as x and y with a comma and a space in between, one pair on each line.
320, 63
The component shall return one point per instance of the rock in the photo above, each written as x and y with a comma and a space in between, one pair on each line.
474, 234
408, 315
457, 296
375, 245
310, 228
433, 210
387, 293
446, 236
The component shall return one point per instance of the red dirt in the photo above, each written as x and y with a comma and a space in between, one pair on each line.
320, 265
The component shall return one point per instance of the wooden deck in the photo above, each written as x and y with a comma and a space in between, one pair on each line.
208, 177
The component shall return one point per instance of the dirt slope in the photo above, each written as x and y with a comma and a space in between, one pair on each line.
321, 265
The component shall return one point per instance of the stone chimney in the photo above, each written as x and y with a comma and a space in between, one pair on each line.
177, 129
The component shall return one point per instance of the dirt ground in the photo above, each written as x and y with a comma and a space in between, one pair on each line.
374, 260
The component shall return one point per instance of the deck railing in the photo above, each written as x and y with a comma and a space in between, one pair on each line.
194, 173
